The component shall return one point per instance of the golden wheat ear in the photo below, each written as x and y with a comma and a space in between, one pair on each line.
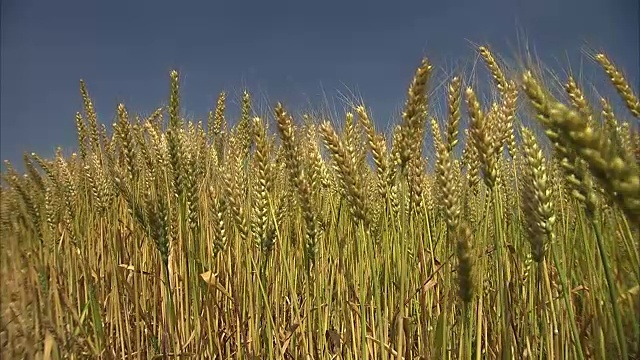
620, 83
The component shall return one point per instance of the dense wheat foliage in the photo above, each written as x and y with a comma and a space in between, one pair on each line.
504, 228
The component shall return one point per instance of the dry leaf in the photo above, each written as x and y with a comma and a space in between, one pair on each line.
212, 279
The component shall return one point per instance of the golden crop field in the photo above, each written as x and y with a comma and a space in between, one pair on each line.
504, 227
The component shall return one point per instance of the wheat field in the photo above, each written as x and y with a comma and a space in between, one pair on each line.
504, 227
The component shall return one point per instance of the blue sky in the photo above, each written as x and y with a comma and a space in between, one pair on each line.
289, 51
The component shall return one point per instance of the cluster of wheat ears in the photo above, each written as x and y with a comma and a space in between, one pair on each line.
519, 240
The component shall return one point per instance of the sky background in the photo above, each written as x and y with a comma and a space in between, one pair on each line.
290, 51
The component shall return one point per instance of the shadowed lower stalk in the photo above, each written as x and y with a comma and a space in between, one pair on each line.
567, 300
611, 285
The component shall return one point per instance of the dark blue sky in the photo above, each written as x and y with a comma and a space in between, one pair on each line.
286, 50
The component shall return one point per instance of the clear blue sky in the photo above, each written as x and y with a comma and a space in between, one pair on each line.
289, 50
